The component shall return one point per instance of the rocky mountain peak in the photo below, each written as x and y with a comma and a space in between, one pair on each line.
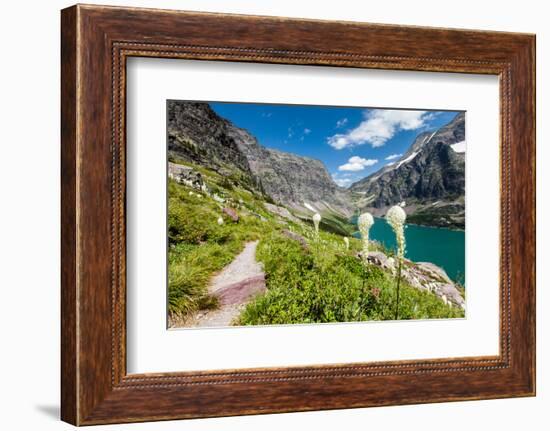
429, 179
198, 135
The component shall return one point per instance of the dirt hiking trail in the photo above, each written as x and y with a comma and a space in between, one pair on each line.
234, 287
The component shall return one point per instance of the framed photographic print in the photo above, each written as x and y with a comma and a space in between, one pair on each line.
259, 216
294, 230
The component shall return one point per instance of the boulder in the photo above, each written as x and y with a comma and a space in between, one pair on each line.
434, 270
295, 237
427, 276
281, 212
231, 213
380, 259
421, 275
451, 293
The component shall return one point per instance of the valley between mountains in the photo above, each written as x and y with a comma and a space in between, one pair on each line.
243, 249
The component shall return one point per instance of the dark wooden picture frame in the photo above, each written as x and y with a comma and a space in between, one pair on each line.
95, 43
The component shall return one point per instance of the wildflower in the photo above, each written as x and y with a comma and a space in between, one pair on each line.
365, 222
316, 221
396, 217
218, 198
346, 242
220, 220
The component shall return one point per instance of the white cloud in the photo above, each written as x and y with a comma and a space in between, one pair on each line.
341, 123
379, 126
393, 156
357, 163
307, 131
342, 180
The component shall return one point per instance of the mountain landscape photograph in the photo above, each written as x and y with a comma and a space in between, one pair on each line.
298, 214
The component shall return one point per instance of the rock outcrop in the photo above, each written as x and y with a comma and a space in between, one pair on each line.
422, 276
186, 175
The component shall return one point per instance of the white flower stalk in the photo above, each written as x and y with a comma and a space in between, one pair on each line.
220, 220
346, 242
396, 217
316, 220
365, 222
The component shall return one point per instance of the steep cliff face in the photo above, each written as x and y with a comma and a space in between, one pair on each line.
429, 180
300, 182
197, 134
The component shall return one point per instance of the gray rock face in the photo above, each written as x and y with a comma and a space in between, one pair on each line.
422, 276
429, 178
294, 180
185, 175
197, 134
281, 212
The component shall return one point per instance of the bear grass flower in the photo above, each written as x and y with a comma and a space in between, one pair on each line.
346, 242
396, 218
365, 222
316, 220
220, 220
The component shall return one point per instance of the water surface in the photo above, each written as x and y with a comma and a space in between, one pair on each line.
444, 247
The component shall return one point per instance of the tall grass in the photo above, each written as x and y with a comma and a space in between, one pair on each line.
326, 284
321, 282
199, 247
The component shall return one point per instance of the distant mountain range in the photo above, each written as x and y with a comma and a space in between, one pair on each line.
428, 180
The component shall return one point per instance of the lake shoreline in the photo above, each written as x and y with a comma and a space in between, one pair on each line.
411, 224
441, 246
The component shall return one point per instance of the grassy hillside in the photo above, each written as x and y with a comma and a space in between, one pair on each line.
316, 279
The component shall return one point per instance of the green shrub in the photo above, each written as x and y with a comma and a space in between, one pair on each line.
322, 282
190, 269
304, 286
187, 223
199, 246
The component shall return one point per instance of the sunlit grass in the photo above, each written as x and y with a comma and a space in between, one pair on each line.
324, 281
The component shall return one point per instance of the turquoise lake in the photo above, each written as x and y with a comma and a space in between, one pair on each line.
444, 247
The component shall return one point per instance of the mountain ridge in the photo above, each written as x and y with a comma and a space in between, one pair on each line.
428, 180
197, 134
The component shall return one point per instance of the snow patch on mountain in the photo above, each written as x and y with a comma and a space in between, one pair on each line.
310, 207
459, 147
407, 160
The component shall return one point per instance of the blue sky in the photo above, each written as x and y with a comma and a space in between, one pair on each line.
351, 142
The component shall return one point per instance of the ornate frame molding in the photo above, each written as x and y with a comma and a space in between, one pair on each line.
96, 41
